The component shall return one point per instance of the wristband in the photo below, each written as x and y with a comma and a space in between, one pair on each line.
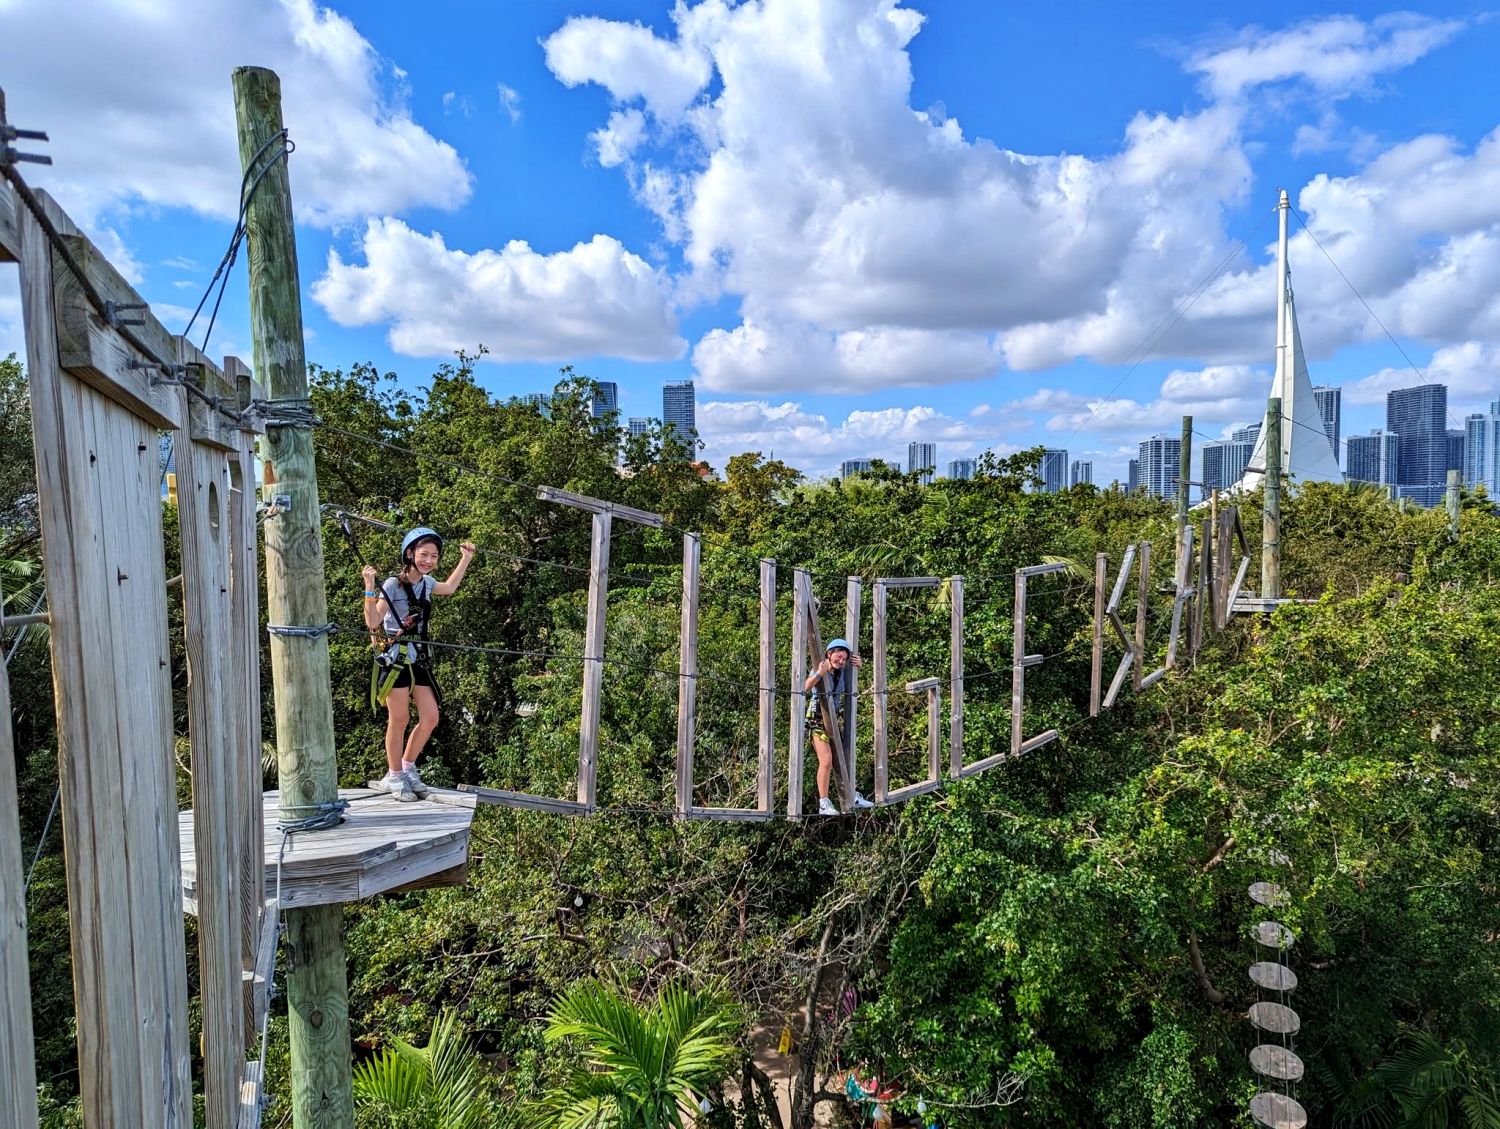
373, 595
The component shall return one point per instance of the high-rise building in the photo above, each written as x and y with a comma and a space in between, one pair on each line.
1331, 407
679, 408
638, 426
1159, 460
1482, 450
1375, 457
1133, 476
541, 401
1053, 470
1225, 460
1418, 416
606, 398
921, 458
961, 468
851, 467
1080, 472
1455, 453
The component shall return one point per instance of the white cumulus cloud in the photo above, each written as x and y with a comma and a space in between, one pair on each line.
144, 110
596, 298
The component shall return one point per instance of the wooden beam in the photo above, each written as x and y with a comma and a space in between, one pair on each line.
1183, 592
851, 681
1096, 668
934, 688
1020, 660
502, 797
257, 978
598, 506
100, 510
955, 674
801, 596
730, 815
17, 1049
1132, 657
10, 238
1142, 605
912, 581
205, 425
879, 689
764, 783
826, 705
92, 350
687, 671
250, 1097
248, 810
593, 665
204, 534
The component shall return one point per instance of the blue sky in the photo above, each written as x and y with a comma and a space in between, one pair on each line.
854, 224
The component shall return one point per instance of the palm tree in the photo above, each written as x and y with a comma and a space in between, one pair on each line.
644, 1066
435, 1086
1438, 1085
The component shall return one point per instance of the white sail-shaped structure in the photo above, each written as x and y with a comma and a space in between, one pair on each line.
1307, 453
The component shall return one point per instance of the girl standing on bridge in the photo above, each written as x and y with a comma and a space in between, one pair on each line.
397, 616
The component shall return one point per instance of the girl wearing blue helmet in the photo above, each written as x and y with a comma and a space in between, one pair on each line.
828, 684
397, 616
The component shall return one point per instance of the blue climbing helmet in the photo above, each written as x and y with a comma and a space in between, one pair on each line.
416, 536
837, 644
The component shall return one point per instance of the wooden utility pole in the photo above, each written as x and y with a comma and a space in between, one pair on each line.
1455, 486
1270, 547
1184, 474
317, 985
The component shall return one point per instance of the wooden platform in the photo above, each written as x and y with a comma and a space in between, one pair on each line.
383, 845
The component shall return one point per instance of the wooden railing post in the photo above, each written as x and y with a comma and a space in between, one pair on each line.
17, 1054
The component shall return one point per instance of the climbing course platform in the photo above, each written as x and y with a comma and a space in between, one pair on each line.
383, 845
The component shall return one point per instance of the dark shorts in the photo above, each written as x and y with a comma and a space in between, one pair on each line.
415, 675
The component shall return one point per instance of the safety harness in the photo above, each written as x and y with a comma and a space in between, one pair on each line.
404, 649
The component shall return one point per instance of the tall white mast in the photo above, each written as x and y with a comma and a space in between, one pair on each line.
1283, 208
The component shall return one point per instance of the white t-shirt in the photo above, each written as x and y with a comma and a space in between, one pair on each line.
397, 608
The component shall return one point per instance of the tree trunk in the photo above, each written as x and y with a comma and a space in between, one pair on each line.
805, 1087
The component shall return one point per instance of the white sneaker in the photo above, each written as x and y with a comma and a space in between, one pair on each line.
860, 803
414, 781
825, 807
399, 787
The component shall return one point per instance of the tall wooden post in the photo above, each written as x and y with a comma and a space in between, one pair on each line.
1184, 473
1455, 486
687, 671
17, 1052
1096, 671
317, 984
1270, 538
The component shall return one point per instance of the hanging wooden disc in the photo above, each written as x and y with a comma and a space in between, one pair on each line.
1276, 1062
1274, 935
1278, 1019
1277, 1111
1268, 894
1273, 977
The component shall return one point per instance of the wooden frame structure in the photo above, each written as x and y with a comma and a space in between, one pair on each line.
687, 692
106, 378
880, 691
604, 514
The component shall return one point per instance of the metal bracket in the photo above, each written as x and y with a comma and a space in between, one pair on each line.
9, 133
113, 310
278, 505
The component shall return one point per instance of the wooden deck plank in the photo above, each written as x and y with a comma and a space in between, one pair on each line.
383, 843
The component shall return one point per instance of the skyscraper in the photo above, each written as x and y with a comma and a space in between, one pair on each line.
679, 408
1375, 457
1159, 460
1455, 453
1081, 471
606, 398
921, 457
1225, 460
1417, 415
961, 468
855, 466
638, 426
1482, 450
1133, 476
541, 401
1054, 470
1330, 406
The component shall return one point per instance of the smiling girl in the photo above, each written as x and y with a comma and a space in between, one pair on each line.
397, 616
